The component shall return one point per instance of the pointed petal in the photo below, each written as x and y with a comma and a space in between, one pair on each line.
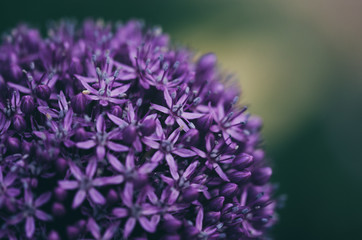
42, 199
182, 124
96, 196
29, 227
68, 185
117, 147
128, 194
160, 108
116, 164
173, 166
94, 228
117, 91
190, 169
108, 235
131, 114
168, 98
128, 228
78, 198
86, 144
120, 212
157, 156
130, 160
91, 168
199, 152
199, 219
220, 172
77, 173
117, 120
147, 225
103, 181
147, 167
42, 215
101, 152
182, 152
84, 82
100, 125
149, 142
189, 115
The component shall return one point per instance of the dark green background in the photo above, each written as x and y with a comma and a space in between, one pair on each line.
300, 65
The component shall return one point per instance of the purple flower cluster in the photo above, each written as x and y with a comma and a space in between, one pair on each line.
108, 132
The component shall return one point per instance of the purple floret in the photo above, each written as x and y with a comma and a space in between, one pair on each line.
109, 132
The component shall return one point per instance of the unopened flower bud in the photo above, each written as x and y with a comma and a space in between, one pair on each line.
190, 194
60, 194
148, 127
53, 235
116, 111
242, 161
72, 232
229, 189
239, 176
216, 203
171, 224
27, 105
13, 144
261, 175
19, 123
112, 197
58, 209
80, 135
129, 134
42, 92
79, 103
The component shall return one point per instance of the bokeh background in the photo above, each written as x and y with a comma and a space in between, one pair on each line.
300, 67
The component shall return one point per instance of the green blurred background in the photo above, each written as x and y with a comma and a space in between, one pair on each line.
300, 66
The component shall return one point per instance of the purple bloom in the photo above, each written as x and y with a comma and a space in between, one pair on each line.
86, 183
30, 211
144, 213
94, 228
101, 139
120, 135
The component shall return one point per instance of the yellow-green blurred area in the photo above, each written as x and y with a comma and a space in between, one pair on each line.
300, 67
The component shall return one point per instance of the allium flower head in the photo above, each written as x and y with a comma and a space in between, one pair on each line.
109, 132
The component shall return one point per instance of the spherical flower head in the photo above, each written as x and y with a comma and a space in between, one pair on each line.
110, 132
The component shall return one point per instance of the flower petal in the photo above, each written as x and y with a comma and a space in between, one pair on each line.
101, 152
96, 196
86, 144
68, 184
103, 181
29, 227
147, 225
127, 195
173, 166
42, 215
94, 228
116, 164
182, 152
160, 108
78, 198
120, 212
117, 147
42, 199
117, 120
128, 228
91, 167
157, 156
189, 115
77, 173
